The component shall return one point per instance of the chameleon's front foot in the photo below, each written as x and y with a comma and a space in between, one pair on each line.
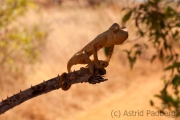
99, 64
103, 63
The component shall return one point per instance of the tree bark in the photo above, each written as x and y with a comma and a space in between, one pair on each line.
82, 75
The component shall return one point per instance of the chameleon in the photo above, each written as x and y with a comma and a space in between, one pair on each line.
115, 35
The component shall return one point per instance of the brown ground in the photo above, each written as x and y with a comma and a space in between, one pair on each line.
125, 90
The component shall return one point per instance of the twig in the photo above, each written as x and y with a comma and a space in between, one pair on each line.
82, 75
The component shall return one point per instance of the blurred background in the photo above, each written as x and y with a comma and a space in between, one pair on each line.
38, 37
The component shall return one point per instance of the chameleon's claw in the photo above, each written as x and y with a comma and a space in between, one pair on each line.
103, 63
96, 79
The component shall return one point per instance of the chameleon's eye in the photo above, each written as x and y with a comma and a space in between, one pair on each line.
115, 29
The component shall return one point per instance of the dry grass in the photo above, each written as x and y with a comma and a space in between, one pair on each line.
69, 30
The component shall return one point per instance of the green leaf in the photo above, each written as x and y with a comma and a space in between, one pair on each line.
176, 80
128, 52
106, 50
127, 16
138, 52
176, 33
176, 92
162, 24
169, 68
153, 58
174, 65
132, 60
164, 91
169, 11
169, 58
151, 103
141, 33
178, 24
158, 96
137, 45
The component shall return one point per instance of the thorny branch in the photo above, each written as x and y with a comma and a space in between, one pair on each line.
82, 75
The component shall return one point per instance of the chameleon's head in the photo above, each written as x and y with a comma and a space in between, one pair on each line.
116, 35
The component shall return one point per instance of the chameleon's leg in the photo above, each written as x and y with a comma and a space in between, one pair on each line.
111, 48
98, 63
89, 62
106, 63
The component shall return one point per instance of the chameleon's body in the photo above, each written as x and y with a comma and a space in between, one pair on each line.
113, 36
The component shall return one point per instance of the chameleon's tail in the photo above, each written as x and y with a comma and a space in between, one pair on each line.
69, 65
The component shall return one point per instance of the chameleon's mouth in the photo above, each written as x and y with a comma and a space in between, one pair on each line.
125, 33
124, 29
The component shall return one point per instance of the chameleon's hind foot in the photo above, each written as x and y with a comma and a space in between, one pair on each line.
91, 68
96, 79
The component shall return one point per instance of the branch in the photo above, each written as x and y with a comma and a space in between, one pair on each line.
82, 75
